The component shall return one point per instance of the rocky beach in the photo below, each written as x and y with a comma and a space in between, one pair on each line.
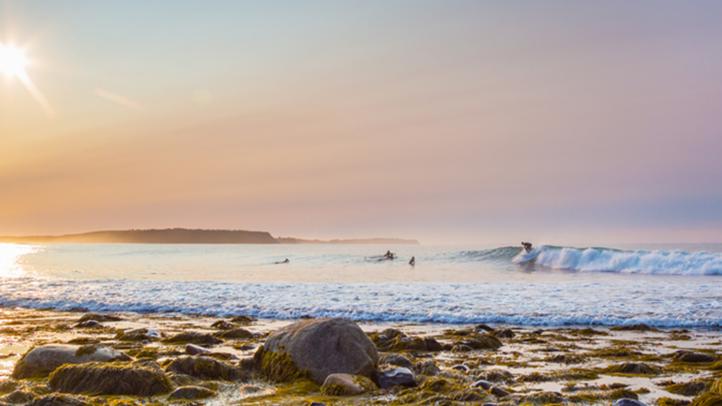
82, 358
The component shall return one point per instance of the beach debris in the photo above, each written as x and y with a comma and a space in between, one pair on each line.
341, 384
317, 348
111, 378
42, 360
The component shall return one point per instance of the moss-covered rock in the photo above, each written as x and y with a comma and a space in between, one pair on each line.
204, 367
235, 333
346, 385
110, 378
59, 400
693, 357
99, 317
633, 368
42, 360
317, 348
691, 388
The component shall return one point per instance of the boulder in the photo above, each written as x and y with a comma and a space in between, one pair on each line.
634, 368
193, 337
394, 340
396, 377
346, 385
242, 320
110, 378
483, 384
206, 368
42, 360
481, 342
191, 392
89, 324
316, 348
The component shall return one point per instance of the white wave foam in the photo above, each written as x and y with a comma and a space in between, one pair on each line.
657, 262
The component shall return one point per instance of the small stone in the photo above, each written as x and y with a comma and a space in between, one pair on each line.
138, 334
481, 383
428, 368
484, 327
506, 333
242, 320
191, 392
397, 377
460, 367
59, 400
346, 385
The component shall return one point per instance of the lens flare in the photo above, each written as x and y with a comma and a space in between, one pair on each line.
13, 60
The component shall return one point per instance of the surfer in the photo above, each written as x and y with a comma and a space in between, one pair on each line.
389, 255
413, 261
527, 246
285, 261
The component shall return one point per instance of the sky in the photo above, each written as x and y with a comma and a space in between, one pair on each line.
447, 121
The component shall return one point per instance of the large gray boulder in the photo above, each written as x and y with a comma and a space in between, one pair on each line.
42, 360
315, 349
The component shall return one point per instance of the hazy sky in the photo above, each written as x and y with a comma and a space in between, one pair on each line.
556, 121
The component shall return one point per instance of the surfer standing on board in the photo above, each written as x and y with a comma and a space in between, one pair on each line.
527, 246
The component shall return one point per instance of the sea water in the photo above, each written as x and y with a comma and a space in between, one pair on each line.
671, 286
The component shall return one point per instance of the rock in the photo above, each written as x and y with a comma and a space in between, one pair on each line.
206, 368
544, 398
483, 327
242, 320
628, 402
89, 324
193, 337
235, 333
396, 377
693, 357
19, 396
481, 383
42, 360
8, 386
192, 349
317, 348
59, 400
191, 392
506, 333
498, 392
428, 368
138, 334
497, 375
460, 368
222, 325
634, 327
98, 317
394, 340
635, 368
396, 359
461, 348
110, 378
340, 384
481, 342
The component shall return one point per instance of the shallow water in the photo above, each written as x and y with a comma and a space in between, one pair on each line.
558, 286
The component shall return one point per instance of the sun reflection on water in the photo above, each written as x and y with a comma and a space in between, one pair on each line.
10, 255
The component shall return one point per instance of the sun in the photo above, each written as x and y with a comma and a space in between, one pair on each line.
13, 61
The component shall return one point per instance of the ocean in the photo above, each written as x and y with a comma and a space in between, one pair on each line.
665, 286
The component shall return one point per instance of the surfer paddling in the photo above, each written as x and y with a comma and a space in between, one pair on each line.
527, 246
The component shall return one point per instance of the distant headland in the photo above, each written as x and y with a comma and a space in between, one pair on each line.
189, 236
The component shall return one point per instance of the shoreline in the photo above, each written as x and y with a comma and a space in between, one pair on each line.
530, 364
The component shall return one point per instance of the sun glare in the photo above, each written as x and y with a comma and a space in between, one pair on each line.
13, 60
